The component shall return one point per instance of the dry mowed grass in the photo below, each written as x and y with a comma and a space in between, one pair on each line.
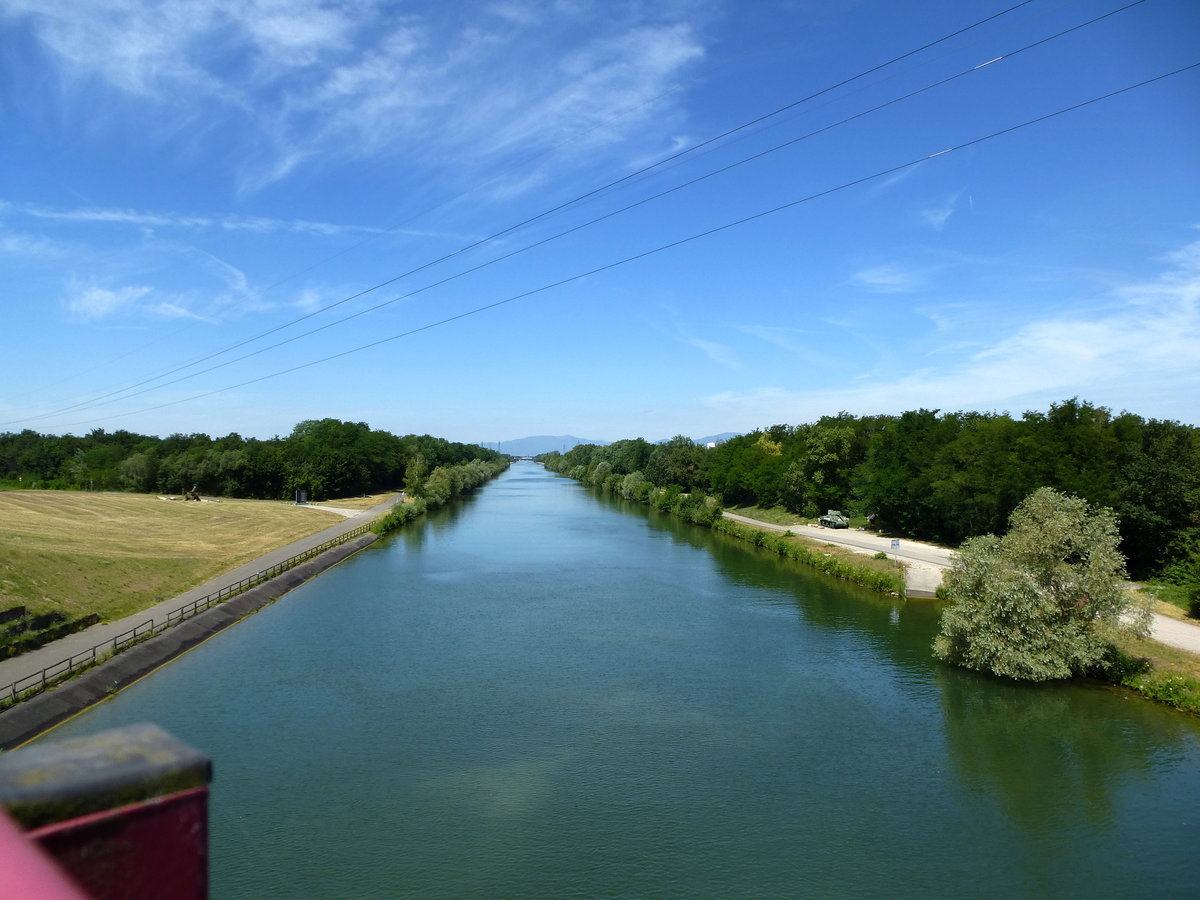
116, 554
363, 503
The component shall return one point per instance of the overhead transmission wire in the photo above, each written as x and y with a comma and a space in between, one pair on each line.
526, 222
668, 246
376, 235
514, 166
388, 229
634, 205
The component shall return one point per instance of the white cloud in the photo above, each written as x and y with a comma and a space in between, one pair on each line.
602, 86
168, 310
152, 220
309, 299
937, 215
157, 49
1140, 352
92, 302
718, 353
795, 340
310, 80
888, 279
28, 245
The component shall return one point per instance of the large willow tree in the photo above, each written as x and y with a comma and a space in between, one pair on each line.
1042, 601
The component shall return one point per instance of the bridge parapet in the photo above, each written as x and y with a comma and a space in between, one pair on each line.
122, 813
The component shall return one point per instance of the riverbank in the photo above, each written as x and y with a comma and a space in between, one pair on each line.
923, 563
847, 566
1164, 666
105, 671
25, 721
285, 548
38, 670
876, 572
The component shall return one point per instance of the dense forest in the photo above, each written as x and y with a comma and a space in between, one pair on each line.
938, 476
325, 457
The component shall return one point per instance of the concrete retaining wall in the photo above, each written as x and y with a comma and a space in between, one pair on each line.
27, 720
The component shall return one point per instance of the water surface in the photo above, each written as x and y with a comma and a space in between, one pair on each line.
540, 693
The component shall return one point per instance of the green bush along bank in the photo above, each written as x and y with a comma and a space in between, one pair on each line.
792, 548
1157, 672
702, 509
442, 485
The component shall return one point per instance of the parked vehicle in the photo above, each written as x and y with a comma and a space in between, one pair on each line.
834, 519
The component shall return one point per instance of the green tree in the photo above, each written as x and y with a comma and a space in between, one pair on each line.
138, 471
1042, 601
675, 462
897, 483
826, 466
415, 474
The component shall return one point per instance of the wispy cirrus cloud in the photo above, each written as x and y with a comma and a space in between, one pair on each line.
795, 340
719, 353
150, 48
888, 279
938, 214
146, 219
27, 245
311, 80
89, 302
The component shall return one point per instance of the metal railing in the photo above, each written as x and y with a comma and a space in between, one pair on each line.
32, 685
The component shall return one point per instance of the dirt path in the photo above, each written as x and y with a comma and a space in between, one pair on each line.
927, 562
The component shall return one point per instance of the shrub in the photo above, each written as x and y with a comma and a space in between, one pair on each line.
1120, 667
1038, 603
399, 515
1173, 689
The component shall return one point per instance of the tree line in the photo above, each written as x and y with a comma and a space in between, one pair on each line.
323, 457
937, 476
443, 484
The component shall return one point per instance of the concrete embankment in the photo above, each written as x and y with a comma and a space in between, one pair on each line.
27, 720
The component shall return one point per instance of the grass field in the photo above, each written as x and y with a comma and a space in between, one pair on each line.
357, 502
1173, 600
776, 515
116, 554
1174, 678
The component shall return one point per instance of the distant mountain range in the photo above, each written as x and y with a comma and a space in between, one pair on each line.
717, 438
539, 443
544, 443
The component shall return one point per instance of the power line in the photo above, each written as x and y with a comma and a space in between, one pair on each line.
664, 247
710, 174
525, 223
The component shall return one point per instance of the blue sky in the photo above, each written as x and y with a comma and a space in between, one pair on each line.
178, 177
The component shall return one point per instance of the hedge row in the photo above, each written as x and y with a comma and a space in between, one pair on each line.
884, 582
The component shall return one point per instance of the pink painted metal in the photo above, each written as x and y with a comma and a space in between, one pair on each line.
27, 872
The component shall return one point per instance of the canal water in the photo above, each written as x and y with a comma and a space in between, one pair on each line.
541, 693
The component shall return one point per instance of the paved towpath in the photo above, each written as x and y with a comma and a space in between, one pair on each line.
32, 663
928, 561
